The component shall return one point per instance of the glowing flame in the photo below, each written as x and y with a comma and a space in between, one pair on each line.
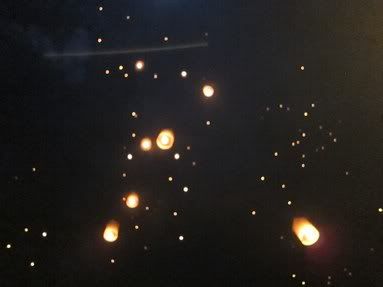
140, 65
305, 231
208, 91
146, 144
111, 231
132, 200
165, 139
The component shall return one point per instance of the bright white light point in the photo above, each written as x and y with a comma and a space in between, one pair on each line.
132, 200
280, 106
293, 143
303, 155
134, 115
293, 275
26, 229
283, 185
130, 156
126, 75
181, 238
335, 140
107, 72
170, 178
9, 246
155, 76
253, 212
99, 40
303, 135
100, 8
120, 67
313, 105
127, 17
208, 123
298, 142
303, 165
146, 144
208, 91
262, 178
302, 68
44, 234
166, 39
177, 156
133, 135
184, 74
124, 174
188, 147
165, 139
303, 283
276, 154
380, 210
175, 213
139, 65
185, 189
112, 261
32, 264
146, 207
289, 202
136, 227
305, 114
33, 169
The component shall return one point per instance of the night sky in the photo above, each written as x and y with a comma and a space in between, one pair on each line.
293, 130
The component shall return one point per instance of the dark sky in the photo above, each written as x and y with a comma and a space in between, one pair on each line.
73, 123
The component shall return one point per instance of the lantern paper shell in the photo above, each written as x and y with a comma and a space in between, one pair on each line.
111, 231
165, 139
132, 200
305, 231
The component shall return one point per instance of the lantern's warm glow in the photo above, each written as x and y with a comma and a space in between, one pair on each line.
146, 144
165, 139
305, 231
208, 91
111, 231
132, 200
140, 65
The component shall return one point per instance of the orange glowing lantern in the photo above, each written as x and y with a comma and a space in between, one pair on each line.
165, 139
208, 91
305, 231
111, 231
132, 200
146, 144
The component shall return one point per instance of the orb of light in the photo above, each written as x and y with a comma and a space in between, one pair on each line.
111, 231
146, 144
165, 139
208, 91
305, 231
140, 65
184, 74
132, 200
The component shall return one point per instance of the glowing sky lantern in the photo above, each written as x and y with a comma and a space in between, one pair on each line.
208, 91
140, 65
146, 144
111, 231
165, 139
305, 231
132, 200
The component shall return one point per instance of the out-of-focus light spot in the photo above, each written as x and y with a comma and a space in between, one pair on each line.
305, 231
293, 275
188, 147
298, 142
121, 67
303, 156
170, 178
283, 186
133, 135
175, 213
130, 156
100, 8
253, 212
136, 227
134, 115
124, 174
280, 106
8, 246
33, 169
181, 238
112, 261
276, 154
208, 91
335, 140
166, 39
303, 165
107, 72
263, 178
293, 144
289, 202
26, 229
44, 234
208, 123
194, 163
313, 105
303, 283
128, 17
165, 139
99, 40
303, 135
184, 74
32, 264
126, 75
140, 65
177, 156
155, 76
146, 144
306, 114
185, 189
132, 200
111, 231
380, 210
302, 68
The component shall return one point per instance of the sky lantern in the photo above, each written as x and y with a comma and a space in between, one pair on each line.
111, 231
146, 144
140, 65
165, 139
132, 200
305, 231
208, 91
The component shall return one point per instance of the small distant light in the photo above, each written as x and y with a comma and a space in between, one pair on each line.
146, 144
302, 68
303, 156
134, 115
208, 91
303, 135
146, 247
121, 67
188, 147
253, 212
170, 178
181, 238
175, 213
166, 39
335, 140
283, 186
132, 200
293, 275
293, 144
107, 72
130, 156
32, 264
126, 75
289, 202
303, 165
262, 178
112, 261
136, 227
280, 106
298, 142
303, 283
276, 154
133, 135
128, 17
184, 74
8, 246
313, 105
322, 147
208, 123
99, 40
194, 163
380, 210
124, 174
33, 169
305, 114
147, 208
347, 173
26, 229
177, 156
185, 189
100, 8
155, 76
140, 65
44, 234
320, 127
267, 109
